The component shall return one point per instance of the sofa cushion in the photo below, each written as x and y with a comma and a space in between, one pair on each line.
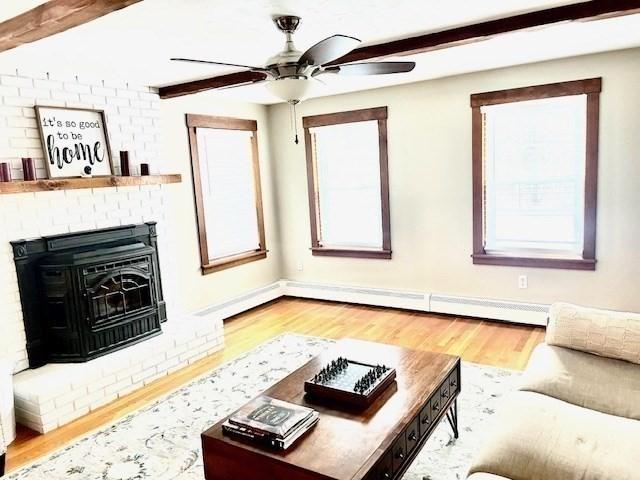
537, 437
486, 476
603, 384
601, 332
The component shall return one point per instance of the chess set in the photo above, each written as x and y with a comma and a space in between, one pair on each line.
350, 382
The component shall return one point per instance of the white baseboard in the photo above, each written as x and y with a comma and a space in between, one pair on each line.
504, 310
363, 295
242, 303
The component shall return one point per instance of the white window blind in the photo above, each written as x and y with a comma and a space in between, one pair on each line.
229, 198
347, 160
534, 173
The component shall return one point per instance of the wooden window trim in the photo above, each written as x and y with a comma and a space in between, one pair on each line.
224, 123
221, 123
233, 261
589, 87
538, 92
365, 115
350, 252
380, 115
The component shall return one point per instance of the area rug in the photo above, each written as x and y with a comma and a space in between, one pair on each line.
162, 441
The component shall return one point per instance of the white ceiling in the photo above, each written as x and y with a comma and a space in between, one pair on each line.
135, 44
11, 8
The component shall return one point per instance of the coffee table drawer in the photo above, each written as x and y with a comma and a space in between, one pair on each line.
454, 382
399, 451
412, 435
444, 392
372, 475
384, 470
425, 419
436, 407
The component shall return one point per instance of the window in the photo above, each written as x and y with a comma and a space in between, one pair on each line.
348, 183
535, 155
226, 179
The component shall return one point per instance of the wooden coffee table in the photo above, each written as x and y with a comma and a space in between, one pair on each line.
378, 443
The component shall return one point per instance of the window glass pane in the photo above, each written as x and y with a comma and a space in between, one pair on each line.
535, 154
348, 175
226, 171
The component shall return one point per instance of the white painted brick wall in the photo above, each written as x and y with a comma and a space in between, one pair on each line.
132, 116
56, 394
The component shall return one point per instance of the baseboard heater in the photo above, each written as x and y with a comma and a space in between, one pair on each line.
516, 312
362, 295
242, 303
509, 311
504, 310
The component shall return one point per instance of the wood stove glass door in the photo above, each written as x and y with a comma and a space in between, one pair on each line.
123, 293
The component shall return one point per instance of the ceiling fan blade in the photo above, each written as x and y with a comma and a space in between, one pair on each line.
191, 60
328, 49
369, 68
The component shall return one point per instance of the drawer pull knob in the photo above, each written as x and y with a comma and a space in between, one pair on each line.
400, 454
436, 407
386, 475
412, 436
445, 394
425, 421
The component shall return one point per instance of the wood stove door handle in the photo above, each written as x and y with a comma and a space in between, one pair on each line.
87, 317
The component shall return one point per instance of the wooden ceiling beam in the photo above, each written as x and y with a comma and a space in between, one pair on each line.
187, 88
54, 16
578, 12
585, 11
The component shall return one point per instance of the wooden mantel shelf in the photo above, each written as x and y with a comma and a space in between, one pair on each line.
44, 185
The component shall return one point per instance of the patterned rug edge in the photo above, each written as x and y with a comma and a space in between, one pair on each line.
150, 404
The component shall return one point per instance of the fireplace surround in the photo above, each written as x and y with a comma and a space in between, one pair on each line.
89, 293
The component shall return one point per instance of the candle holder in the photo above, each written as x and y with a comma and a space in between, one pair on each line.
144, 169
124, 164
5, 172
28, 169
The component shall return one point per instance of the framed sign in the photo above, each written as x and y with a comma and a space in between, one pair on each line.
73, 139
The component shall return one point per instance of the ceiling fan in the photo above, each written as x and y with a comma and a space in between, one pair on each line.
288, 74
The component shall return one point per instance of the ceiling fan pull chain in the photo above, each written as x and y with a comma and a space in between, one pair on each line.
295, 123
294, 119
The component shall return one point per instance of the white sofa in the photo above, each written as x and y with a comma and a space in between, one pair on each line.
7, 415
576, 415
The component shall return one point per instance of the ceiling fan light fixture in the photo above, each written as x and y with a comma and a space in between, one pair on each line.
290, 89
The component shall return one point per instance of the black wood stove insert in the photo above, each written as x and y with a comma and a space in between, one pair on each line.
90, 293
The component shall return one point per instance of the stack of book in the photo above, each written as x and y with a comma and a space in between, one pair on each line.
270, 422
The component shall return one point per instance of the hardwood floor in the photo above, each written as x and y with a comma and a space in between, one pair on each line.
474, 340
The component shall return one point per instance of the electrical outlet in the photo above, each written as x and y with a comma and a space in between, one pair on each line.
523, 281
300, 266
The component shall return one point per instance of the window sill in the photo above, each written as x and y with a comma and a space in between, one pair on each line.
233, 261
350, 252
535, 262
